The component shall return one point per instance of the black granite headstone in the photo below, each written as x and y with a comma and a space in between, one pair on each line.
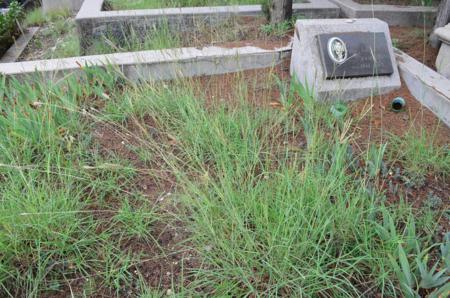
355, 54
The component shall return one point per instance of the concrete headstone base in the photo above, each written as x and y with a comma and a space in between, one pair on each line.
306, 64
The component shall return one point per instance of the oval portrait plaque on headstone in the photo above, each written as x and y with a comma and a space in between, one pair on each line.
355, 54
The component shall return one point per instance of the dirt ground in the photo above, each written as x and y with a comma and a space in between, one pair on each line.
380, 122
166, 263
413, 41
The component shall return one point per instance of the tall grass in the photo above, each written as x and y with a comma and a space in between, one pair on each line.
53, 187
57, 37
266, 218
273, 199
420, 155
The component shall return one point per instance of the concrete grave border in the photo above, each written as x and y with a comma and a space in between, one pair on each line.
429, 87
92, 21
14, 52
394, 15
443, 58
156, 65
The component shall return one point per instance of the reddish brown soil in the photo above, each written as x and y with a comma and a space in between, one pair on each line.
258, 87
380, 121
376, 126
166, 263
414, 42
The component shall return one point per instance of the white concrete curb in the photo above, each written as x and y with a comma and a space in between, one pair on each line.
157, 65
427, 86
394, 15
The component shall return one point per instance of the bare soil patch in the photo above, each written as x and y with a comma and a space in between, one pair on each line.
379, 123
414, 42
168, 262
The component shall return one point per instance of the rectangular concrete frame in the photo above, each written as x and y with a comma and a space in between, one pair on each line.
92, 21
156, 65
427, 86
71, 5
306, 63
394, 15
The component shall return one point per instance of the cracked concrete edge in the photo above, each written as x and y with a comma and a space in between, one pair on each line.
429, 87
14, 52
394, 15
155, 65
93, 9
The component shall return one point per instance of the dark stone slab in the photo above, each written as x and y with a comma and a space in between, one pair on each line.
367, 55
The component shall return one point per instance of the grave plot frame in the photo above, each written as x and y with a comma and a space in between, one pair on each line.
394, 15
92, 20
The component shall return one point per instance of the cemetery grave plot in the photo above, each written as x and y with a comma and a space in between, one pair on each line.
57, 38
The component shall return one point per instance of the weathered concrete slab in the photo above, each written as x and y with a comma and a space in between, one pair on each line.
427, 86
394, 15
443, 58
71, 5
306, 64
92, 21
157, 65
19, 46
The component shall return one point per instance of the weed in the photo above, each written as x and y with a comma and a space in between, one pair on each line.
9, 28
266, 216
296, 224
419, 154
279, 29
34, 17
